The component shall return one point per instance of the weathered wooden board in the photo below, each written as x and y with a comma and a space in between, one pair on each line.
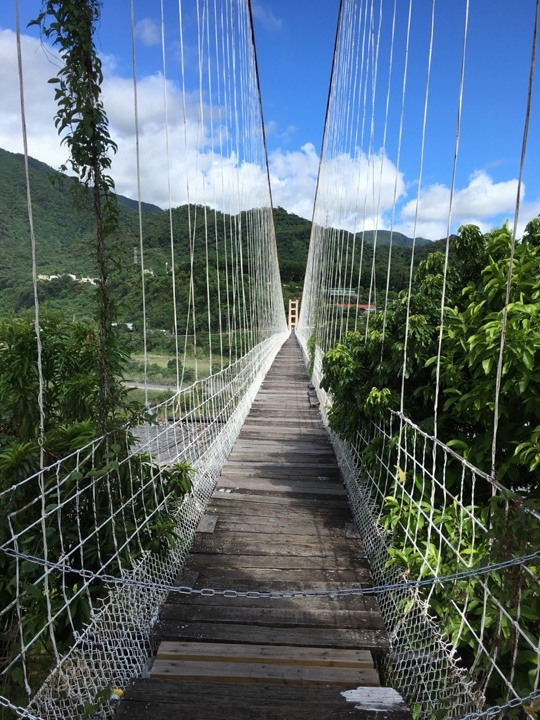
164, 700
367, 639
267, 443
290, 545
205, 561
293, 615
253, 431
262, 674
315, 472
234, 508
351, 603
265, 579
282, 654
207, 524
283, 500
293, 485
235, 524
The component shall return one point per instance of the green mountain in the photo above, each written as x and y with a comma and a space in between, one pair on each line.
398, 239
64, 235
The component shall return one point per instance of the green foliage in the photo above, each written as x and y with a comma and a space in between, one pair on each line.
80, 118
66, 234
97, 510
132, 504
365, 374
69, 370
311, 347
511, 527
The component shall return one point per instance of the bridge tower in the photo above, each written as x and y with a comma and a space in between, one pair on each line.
293, 314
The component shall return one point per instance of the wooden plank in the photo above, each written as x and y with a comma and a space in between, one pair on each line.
354, 638
282, 617
289, 545
285, 501
234, 510
296, 546
281, 460
207, 701
279, 527
314, 472
323, 468
226, 579
263, 673
271, 485
263, 439
299, 452
251, 431
354, 603
272, 507
241, 653
283, 566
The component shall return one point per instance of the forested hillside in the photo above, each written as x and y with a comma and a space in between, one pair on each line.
63, 240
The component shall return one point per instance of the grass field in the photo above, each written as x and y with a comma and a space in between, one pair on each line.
161, 368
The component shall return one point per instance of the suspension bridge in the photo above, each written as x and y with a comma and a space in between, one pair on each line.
329, 522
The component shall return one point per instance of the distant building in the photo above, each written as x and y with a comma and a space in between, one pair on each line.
361, 306
342, 292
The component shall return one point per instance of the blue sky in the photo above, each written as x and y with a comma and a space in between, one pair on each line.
295, 40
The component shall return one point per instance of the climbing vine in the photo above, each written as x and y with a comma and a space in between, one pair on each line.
81, 121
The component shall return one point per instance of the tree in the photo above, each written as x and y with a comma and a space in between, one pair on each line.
365, 374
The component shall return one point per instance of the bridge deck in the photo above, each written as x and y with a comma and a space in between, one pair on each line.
279, 520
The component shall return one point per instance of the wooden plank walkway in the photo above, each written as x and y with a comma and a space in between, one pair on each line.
278, 520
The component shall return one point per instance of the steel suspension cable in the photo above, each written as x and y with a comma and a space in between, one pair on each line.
504, 324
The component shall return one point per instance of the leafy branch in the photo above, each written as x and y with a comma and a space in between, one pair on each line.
82, 122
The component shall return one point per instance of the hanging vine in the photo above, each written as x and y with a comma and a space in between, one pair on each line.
81, 121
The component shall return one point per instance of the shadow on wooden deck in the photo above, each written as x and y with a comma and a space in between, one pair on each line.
278, 520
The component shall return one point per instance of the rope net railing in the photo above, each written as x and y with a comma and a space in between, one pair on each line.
457, 646
424, 358
90, 516
94, 527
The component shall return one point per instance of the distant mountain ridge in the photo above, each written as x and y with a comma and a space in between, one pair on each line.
398, 239
64, 234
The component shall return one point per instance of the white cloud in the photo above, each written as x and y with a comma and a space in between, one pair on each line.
482, 202
202, 168
267, 18
293, 175
356, 191
147, 32
43, 142
273, 130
